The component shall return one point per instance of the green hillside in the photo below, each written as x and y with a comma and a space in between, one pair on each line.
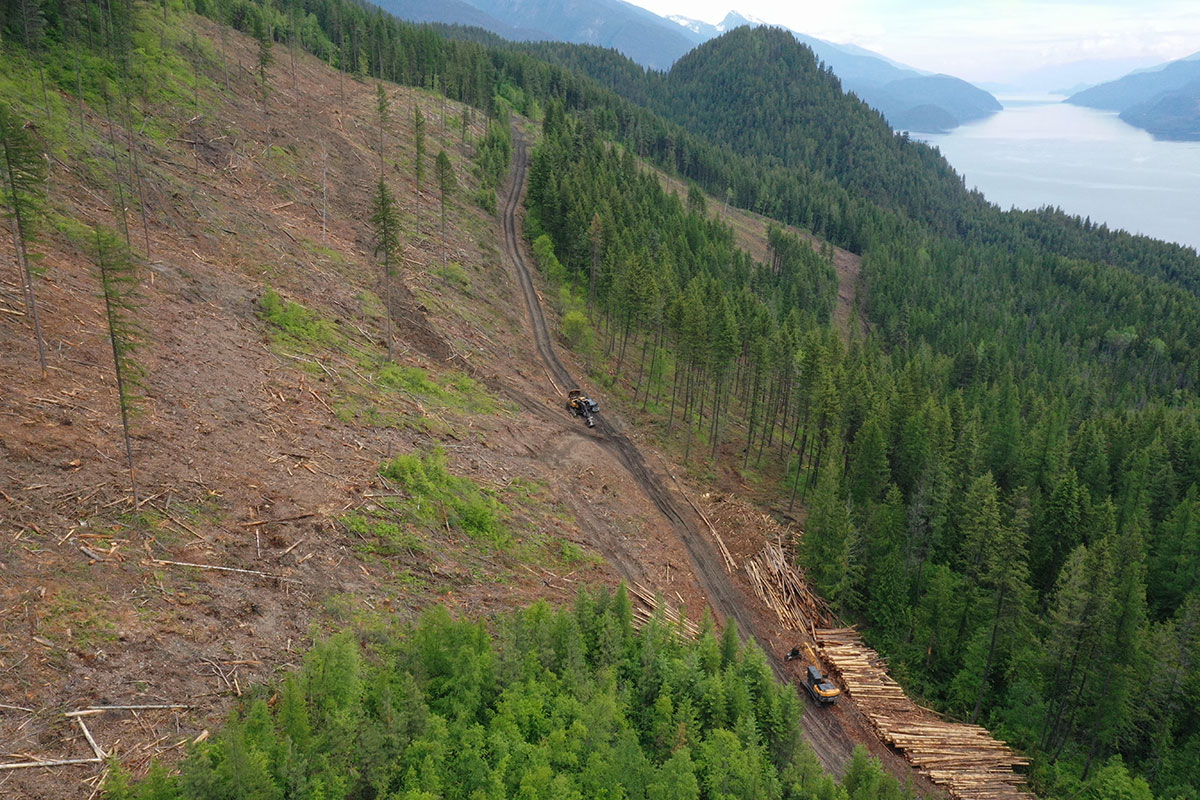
1023, 421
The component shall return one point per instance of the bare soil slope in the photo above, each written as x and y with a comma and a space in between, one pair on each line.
259, 446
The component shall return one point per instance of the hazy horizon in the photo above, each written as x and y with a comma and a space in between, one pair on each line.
986, 42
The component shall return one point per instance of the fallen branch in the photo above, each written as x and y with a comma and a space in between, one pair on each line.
183, 525
224, 569
88, 735
92, 710
322, 402
292, 546
62, 762
16, 708
92, 554
254, 522
551, 379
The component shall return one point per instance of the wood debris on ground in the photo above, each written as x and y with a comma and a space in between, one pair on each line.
781, 587
964, 758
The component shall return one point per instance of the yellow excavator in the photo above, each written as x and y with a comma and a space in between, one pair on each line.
819, 687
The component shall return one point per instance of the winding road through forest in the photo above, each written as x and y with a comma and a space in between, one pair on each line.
831, 732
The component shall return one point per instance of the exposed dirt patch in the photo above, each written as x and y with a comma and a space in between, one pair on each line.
250, 451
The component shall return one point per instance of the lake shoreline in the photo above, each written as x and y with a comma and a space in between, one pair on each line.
1039, 151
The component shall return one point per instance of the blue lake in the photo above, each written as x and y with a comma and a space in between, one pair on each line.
1040, 151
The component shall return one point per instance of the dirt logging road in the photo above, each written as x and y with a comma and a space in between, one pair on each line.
831, 732
705, 561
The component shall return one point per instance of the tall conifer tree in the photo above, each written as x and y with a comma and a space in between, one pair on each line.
23, 179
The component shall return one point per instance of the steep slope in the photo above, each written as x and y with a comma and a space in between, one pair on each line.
1000, 366
765, 81
989, 344
909, 98
1138, 87
769, 82
266, 424
1172, 115
726, 571
902, 99
647, 38
263, 517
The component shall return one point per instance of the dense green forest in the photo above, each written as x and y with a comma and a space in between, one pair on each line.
776, 106
1001, 480
554, 705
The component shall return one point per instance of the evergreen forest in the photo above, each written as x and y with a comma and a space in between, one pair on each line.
553, 704
997, 474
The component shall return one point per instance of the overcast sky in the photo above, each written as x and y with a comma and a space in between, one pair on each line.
979, 40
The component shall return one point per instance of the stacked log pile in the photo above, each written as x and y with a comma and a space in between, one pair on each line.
963, 758
784, 591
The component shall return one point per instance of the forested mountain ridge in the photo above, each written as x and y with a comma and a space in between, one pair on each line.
910, 99
833, 138
459, 12
1163, 101
645, 37
1000, 481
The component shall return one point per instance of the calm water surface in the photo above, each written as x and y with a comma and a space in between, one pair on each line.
1039, 151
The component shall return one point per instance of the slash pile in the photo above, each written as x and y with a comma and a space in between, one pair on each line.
784, 590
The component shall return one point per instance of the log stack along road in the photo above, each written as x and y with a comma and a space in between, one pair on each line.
963, 757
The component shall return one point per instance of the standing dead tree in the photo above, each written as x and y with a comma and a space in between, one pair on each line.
446, 184
263, 35
119, 282
384, 107
324, 190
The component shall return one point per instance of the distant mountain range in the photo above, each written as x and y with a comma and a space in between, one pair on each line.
457, 12
1069, 77
908, 98
1164, 100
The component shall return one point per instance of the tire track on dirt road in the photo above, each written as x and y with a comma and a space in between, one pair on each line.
823, 731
